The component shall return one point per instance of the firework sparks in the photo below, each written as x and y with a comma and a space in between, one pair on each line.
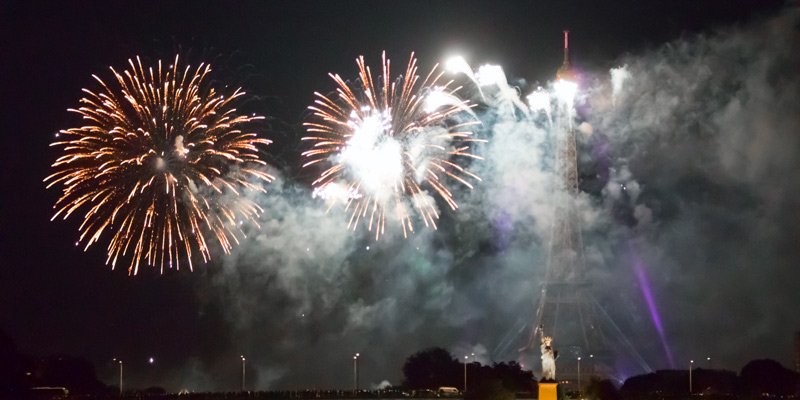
160, 165
387, 149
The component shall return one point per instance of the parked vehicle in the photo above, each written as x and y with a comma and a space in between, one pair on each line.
446, 391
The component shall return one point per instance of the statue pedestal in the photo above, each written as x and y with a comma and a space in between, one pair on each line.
548, 391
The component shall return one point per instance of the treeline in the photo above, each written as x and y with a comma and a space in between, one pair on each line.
20, 372
436, 367
424, 372
759, 378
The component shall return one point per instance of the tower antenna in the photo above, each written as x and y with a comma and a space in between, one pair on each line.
565, 71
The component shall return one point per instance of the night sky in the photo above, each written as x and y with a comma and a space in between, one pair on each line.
707, 135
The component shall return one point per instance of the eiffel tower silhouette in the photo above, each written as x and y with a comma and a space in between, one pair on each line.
589, 342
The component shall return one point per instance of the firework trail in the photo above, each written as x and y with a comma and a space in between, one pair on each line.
384, 147
160, 164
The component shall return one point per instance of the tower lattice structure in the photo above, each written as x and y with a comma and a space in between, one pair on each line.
566, 308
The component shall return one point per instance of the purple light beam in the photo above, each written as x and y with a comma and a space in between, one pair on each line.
644, 285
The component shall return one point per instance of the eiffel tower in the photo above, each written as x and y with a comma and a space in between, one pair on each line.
589, 342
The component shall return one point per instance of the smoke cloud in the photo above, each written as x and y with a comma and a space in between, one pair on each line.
703, 136
686, 156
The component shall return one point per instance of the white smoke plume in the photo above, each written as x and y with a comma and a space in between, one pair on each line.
703, 138
687, 162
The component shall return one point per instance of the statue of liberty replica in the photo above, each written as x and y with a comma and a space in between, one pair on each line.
548, 386
548, 357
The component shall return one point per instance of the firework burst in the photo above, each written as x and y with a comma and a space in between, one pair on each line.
386, 148
160, 166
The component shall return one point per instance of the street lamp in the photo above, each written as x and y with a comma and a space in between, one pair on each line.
579, 377
708, 359
691, 365
465, 371
120, 375
243, 375
355, 373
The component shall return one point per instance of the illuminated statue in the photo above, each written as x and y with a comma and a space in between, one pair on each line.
548, 358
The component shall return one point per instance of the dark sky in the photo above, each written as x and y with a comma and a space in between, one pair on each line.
56, 298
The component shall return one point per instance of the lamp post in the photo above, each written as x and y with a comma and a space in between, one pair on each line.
691, 365
579, 377
120, 375
465, 371
151, 373
243, 371
708, 360
355, 374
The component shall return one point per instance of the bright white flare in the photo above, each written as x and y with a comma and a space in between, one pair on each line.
539, 100
458, 65
489, 75
372, 154
565, 91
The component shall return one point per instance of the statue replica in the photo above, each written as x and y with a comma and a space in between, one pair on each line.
548, 357
548, 387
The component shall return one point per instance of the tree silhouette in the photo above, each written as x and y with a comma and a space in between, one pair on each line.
715, 382
666, 382
432, 368
13, 368
75, 373
768, 377
511, 375
602, 390
436, 367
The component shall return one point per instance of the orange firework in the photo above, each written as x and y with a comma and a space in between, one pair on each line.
161, 165
390, 148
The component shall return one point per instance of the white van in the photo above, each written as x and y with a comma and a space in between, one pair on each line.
446, 391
